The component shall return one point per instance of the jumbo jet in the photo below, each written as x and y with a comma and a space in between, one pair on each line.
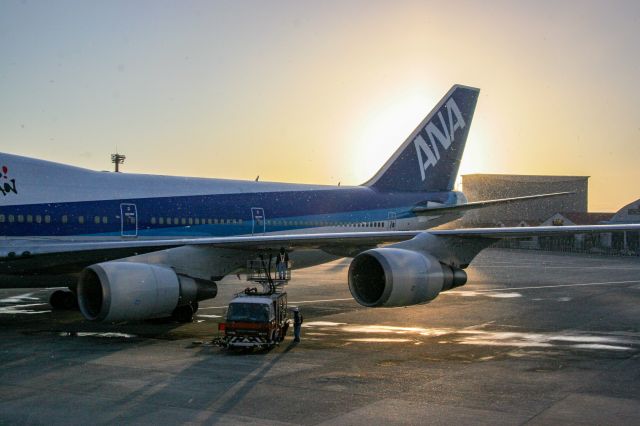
133, 247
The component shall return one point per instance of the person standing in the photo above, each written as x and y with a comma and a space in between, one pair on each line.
297, 324
282, 263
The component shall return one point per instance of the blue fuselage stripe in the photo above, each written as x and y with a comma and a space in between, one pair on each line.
285, 210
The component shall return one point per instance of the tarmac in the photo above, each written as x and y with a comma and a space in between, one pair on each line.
533, 338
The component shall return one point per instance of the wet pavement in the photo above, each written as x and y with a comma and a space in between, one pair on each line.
533, 338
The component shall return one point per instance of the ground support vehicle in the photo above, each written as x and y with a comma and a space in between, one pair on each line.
255, 320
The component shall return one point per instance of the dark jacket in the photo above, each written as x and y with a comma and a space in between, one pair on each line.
279, 255
297, 318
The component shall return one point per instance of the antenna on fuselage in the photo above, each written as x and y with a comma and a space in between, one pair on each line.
117, 159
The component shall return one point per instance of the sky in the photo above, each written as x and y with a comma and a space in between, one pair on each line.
322, 92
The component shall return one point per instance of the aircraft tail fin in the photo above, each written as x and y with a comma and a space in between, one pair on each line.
430, 157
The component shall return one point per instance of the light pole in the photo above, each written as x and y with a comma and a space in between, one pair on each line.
117, 159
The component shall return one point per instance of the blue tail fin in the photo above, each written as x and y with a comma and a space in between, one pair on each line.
429, 159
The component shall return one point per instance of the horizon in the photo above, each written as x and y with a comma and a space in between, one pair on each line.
322, 93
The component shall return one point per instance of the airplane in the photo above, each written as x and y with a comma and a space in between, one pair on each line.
135, 247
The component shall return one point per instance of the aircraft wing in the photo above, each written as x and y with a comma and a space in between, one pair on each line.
427, 210
22, 255
533, 231
23, 248
63, 256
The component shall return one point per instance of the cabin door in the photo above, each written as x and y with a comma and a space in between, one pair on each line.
392, 220
259, 221
129, 220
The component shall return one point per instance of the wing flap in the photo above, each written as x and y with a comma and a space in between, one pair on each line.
533, 231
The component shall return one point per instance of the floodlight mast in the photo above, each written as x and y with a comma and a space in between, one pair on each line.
117, 159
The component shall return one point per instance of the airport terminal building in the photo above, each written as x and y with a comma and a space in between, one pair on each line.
479, 187
560, 211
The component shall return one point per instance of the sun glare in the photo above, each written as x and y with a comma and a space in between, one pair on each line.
383, 128
477, 152
387, 124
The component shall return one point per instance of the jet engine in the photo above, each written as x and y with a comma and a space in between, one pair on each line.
120, 291
399, 277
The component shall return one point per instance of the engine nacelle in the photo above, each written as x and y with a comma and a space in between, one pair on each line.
399, 277
121, 291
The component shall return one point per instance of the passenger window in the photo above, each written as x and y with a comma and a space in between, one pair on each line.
153, 220
96, 220
65, 218
240, 221
29, 218
197, 221
81, 220
47, 218
11, 218
20, 218
105, 220
1, 218
38, 218
184, 221
190, 221
161, 221
176, 221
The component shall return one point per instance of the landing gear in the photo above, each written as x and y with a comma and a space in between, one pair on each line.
183, 313
63, 300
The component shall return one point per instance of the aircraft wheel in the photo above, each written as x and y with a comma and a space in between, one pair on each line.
195, 306
183, 313
63, 300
